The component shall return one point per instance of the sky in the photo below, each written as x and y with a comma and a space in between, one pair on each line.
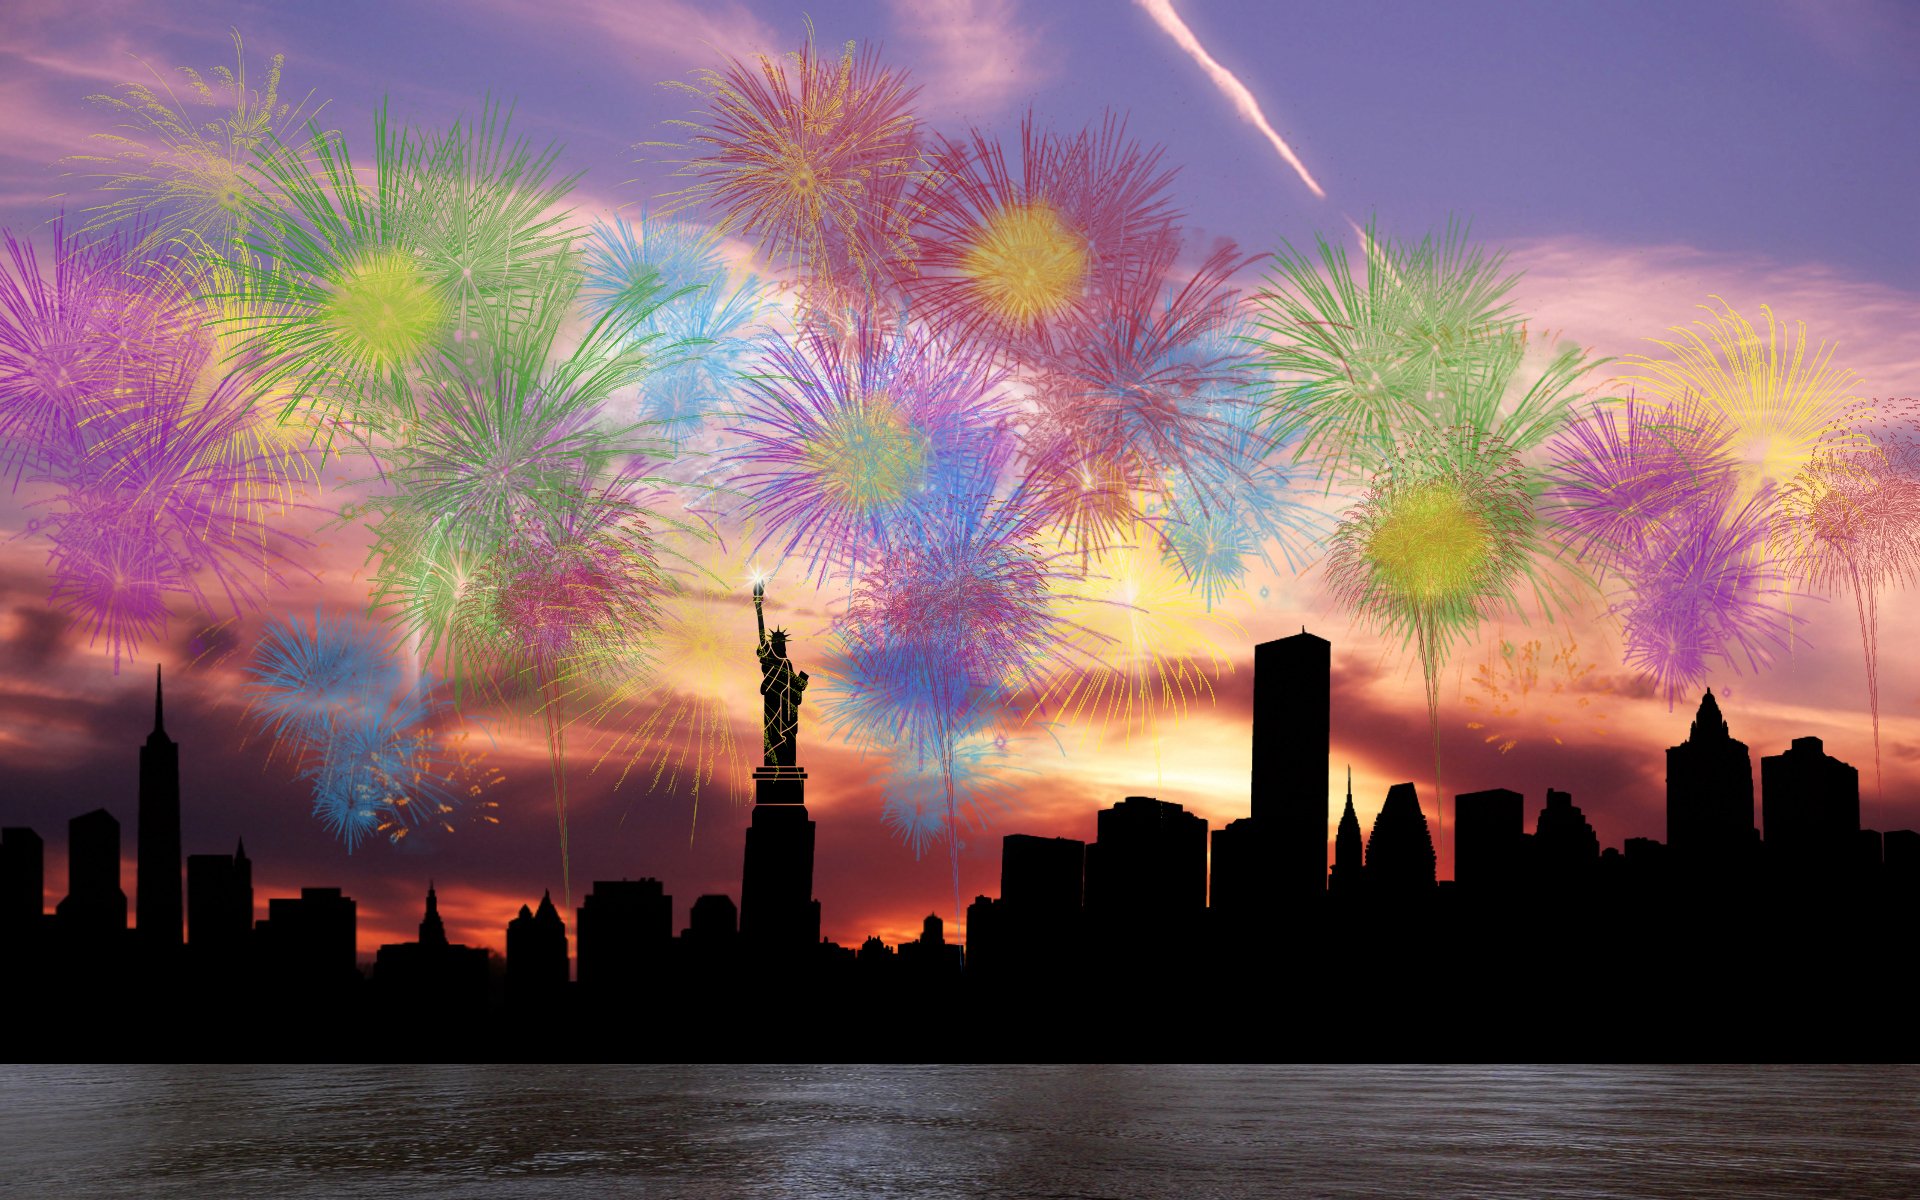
1632, 159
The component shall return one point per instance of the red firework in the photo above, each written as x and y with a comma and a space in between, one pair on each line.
1141, 394
1008, 251
810, 154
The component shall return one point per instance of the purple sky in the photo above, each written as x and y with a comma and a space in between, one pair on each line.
1634, 157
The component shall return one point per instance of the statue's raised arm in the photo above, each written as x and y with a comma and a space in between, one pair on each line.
759, 599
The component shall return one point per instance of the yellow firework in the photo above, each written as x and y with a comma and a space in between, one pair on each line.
1025, 263
867, 456
384, 310
1149, 648
1778, 400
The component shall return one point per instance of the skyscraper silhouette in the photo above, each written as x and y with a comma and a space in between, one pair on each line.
157, 888
1565, 849
624, 930
1810, 804
1400, 856
1349, 862
1709, 798
219, 902
1148, 865
1292, 705
1489, 839
94, 906
537, 955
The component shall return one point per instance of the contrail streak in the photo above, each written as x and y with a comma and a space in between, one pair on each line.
1163, 15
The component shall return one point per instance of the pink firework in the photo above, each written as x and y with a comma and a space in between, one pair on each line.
162, 503
808, 154
1009, 251
843, 436
1141, 396
1852, 520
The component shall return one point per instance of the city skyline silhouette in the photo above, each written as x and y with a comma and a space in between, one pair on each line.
1152, 897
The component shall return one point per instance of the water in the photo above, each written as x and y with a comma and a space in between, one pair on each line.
1099, 1131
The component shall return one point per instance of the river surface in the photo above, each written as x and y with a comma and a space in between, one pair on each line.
1054, 1131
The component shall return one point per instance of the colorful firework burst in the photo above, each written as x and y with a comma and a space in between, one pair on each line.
1779, 403
808, 155
843, 439
1007, 252
1425, 341
943, 633
1552, 682
99, 324
1852, 520
184, 161
715, 324
160, 506
1438, 544
1647, 495
362, 289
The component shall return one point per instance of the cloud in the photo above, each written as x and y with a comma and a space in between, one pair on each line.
976, 56
678, 30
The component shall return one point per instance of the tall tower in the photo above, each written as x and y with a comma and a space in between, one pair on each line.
1709, 797
778, 913
157, 890
1348, 852
1292, 702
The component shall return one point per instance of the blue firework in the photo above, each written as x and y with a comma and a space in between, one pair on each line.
380, 769
716, 324
306, 679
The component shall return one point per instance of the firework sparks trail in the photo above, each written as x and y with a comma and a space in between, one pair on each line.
1853, 520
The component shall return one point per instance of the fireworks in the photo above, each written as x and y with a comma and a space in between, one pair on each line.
717, 325
844, 439
1008, 252
808, 155
177, 172
1651, 494
1438, 543
1779, 403
360, 290
1145, 644
1419, 343
1853, 520
102, 324
334, 697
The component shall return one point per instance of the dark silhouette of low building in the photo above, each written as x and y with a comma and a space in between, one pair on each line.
307, 947
432, 972
1565, 850
157, 887
1900, 860
1148, 866
1242, 885
23, 881
624, 931
932, 958
1489, 840
1710, 831
1349, 874
1400, 858
1810, 807
713, 920
219, 903
537, 968
95, 908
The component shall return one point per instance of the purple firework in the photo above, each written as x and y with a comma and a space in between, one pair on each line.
844, 435
97, 323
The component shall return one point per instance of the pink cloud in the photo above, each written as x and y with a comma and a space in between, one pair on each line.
975, 57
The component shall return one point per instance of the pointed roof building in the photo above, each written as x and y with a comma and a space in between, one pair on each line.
1348, 861
1400, 849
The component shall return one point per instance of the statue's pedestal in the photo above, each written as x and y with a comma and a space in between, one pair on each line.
778, 913
780, 785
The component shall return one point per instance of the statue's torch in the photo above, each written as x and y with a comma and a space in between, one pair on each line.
759, 599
